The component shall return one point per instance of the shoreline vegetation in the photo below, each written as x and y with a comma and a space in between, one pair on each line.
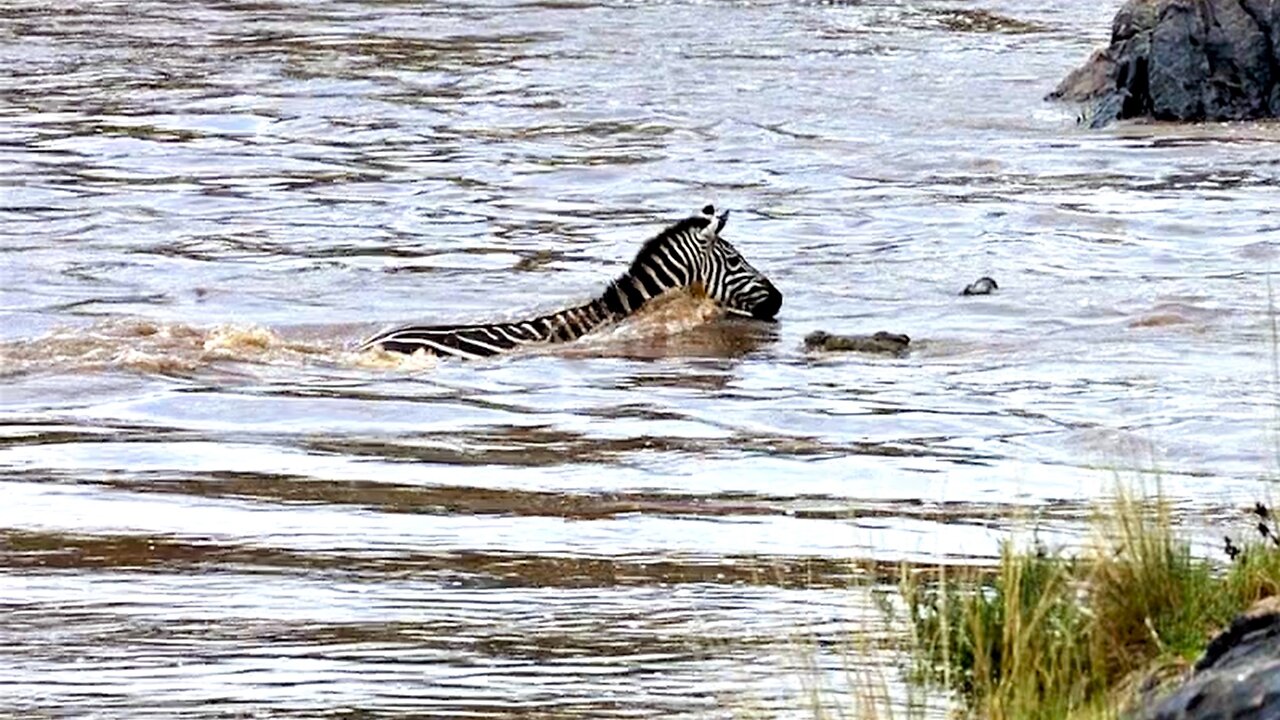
1104, 631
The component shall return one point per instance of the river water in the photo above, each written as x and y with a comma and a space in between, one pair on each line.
213, 507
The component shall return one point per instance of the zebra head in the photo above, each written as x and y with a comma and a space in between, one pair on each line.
692, 254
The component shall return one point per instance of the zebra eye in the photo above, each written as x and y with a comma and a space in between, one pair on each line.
709, 210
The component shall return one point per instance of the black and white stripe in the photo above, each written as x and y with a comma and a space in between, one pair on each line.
687, 255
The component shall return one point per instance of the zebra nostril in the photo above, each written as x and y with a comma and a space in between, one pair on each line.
768, 308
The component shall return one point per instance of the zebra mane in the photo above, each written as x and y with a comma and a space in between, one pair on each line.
651, 245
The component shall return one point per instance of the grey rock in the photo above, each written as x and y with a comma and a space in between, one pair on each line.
1089, 81
1184, 60
1253, 635
1237, 679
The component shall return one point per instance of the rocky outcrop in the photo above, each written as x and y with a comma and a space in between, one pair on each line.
1183, 60
1237, 679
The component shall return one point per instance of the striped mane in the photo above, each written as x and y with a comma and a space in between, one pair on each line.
651, 246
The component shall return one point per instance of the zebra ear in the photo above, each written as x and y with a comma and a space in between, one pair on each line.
715, 223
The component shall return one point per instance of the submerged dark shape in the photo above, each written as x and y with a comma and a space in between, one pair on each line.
978, 20
1238, 677
881, 342
688, 255
1183, 60
981, 286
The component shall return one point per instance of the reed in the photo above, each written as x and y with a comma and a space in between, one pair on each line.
1048, 635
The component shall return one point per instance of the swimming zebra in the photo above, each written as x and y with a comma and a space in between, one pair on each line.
687, 255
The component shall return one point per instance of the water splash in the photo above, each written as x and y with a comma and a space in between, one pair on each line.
152, 347
180, 349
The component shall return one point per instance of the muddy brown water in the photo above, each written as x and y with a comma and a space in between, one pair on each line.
210, 506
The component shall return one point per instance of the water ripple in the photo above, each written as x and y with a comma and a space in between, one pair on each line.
214, 507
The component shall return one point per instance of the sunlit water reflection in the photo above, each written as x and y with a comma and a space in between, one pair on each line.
215, 507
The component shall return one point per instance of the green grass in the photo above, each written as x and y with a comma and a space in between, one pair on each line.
1047, 636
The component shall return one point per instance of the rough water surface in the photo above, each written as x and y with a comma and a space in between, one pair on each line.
213, 507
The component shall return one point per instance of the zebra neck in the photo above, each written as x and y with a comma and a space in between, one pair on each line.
628, 294
610, 307
622, 298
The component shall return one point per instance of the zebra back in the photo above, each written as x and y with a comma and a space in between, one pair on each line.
485, 340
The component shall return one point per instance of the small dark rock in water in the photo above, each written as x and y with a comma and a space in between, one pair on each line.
881, 342
1238, 677
981, 286
1185, 60
536, 261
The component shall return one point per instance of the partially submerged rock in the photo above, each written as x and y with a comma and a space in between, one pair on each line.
981, 286
985, 21
537, 261
1238, 677
881, 342
1185, 60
